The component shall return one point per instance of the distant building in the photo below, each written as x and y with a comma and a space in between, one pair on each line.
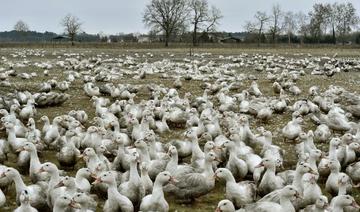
144, 39
231, 39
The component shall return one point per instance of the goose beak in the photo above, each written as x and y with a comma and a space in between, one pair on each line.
60, 184
97, 181
215, 177
261, 164
74, 204
41, 170
132, 146
297, 195
2, 175
173, 180
355, 205
218, 160
217, 209
314, 172
20, 149
93, 175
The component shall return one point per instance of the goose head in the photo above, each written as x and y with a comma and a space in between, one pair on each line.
268, 163
84, 172
66, 181
346, 200
66, 202
355, 146
101, 149
211, 156
165, 177
144, 167
210, 145
24, 197
322, 202
347, 138
10, 173
140, 144
344, 179
44, 119
135, 157
316, 154
28, 146
303, 168
290, 191
334, 165
335, 142
48, 167
172, 151
106, 177
81, 198
225, 206
88, 152
222, 173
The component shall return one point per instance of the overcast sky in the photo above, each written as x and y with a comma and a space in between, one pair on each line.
113, 16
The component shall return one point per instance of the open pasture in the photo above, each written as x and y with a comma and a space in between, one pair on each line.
272, 88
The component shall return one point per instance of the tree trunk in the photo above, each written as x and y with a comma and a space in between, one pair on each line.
167, 36
259, 36
333, 34
195, 35
289, 38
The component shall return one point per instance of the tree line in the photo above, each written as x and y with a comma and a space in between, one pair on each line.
175, 20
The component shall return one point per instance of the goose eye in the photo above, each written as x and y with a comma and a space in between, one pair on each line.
291, 189
347, 197
225, 203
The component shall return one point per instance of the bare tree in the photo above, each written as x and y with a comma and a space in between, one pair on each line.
302, 25
261, 19
319, 20
21, 26
275, 16
72, 26
214, 18
346, 19
202, 17
166, 15
289, 24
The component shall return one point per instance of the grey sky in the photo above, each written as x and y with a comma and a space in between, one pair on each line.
113, 16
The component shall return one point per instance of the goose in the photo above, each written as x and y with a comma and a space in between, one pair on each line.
63, 203
156, 201
155, 166
254, 90
28, 111
69, 184
321, 205
323, 167
81, 180
237, 166
353, 170
91, 159
331, 184
4, 150
225, 206
79, 115
133, 189
292, 129
3, 199
322, 133
286, 194
68, 154
86, 203
122, 160
15, 142
33, 134
52, 134
192, 184
239, 193
46, 126
25, 203
36, 191
161, 126
115, 201
172, 166
312, 190
270, 181
145, 179
35, 163
100, 150
342, 201
52, 192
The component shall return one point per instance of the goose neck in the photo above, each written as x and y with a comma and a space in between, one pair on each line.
19, 183
286, 204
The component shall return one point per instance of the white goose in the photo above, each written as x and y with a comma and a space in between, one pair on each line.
239, 193
115, 201
156, 200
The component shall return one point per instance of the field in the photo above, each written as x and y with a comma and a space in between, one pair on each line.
24, 60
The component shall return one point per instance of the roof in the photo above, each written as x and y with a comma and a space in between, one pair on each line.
60, 37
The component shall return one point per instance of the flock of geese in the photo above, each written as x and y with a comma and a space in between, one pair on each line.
127, 160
